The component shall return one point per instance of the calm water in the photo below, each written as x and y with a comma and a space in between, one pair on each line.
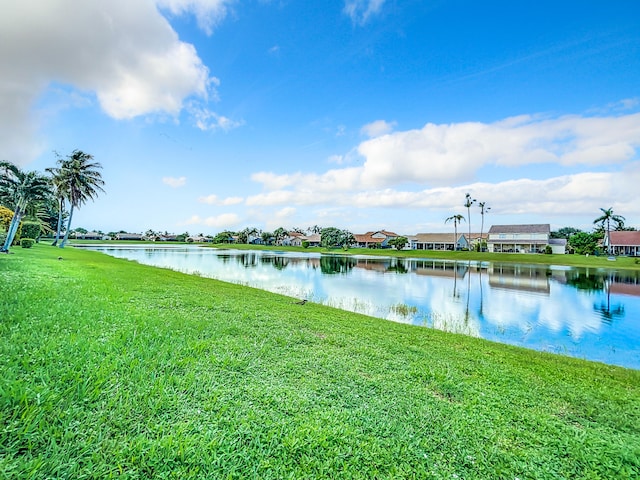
586, 313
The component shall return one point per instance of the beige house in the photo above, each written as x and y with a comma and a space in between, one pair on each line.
435, 241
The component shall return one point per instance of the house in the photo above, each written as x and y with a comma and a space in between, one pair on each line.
293, 239
314, 240
435, 241
379, 239
623, 243
531, 238
128, 236
198, 239
167, 238
558, 245
296, 239
89, 236
469, 242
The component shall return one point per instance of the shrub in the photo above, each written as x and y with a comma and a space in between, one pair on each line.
31, 229
5, 220
27, 242
305, 244
548, 250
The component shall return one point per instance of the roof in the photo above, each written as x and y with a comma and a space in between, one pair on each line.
625, 238
384, 232
367, 238
558, 241
475, 235
435, 237
527, 228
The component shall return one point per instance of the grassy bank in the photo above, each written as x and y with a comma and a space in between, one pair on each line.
114, 369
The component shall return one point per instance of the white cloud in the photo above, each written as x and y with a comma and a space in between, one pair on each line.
224, 220
571, 195
214, 200
206, 119
444, 154
124, 52
174, 182
361, 10
209, 13
377, 128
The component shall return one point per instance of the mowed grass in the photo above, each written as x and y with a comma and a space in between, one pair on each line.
112, 369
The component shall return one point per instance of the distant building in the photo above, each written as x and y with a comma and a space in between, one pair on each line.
129, 236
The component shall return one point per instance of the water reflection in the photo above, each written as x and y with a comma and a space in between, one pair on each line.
591, 313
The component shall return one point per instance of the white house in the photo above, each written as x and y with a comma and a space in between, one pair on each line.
532, 238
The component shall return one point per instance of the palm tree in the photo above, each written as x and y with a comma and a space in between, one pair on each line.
80, 180
483, 209
457, 218
280, 234
468, 202
58, 185
18, 189
605, 219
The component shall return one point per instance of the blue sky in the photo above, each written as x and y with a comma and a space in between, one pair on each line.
362, 114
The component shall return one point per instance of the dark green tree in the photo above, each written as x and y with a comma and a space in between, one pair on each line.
398, 242
584, 243
19, 189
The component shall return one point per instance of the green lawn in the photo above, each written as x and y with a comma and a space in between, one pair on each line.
114, 369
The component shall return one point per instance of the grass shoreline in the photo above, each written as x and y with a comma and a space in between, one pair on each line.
115, 369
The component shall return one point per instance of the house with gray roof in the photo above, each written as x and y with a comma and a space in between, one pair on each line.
436, 241
530, 238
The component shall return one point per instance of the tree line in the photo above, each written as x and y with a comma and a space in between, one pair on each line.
44, 202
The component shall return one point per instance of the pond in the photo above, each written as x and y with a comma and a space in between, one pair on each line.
585, 313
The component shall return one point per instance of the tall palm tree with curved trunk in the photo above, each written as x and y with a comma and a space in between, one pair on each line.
81, 180
58, 184
605, 220
468, 202
456, 219
19, 189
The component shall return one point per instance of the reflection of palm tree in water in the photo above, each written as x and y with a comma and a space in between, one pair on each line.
466, 313
605, 310
480, 312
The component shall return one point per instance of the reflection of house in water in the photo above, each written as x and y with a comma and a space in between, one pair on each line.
526, 278
375, 265
435, 268
625, 284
